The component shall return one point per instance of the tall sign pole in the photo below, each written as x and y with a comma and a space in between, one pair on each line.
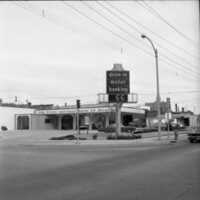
118, 88
78, 105
118, 119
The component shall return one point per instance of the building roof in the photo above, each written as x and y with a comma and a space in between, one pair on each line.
88, 108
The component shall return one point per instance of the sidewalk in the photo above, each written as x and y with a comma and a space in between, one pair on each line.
43, 138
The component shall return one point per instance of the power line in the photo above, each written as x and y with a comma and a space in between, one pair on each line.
135, 37
140, 41
62, 22
141, 32
96, 94
65, 24
169, 93
104, 27
140, 24
174, 28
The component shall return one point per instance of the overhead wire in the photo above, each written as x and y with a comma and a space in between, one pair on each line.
156, 34
106, 28
140, 32
189, 70
170, 25
64, 97
154, 41
45, 13
80, 12
64, 23
60, 20
177, 92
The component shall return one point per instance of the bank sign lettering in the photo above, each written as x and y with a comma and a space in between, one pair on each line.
118, 86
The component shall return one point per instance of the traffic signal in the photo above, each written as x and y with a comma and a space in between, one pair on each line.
78, 103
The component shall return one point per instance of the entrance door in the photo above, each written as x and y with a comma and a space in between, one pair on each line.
67, 122
127, 119
23, 123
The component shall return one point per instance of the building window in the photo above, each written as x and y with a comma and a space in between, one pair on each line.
47, 121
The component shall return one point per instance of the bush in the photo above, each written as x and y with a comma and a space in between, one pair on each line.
67, 137
145, 130
4, 128
94, 136
110, 129
124, 137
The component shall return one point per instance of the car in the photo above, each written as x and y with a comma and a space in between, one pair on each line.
194, 135
136, 124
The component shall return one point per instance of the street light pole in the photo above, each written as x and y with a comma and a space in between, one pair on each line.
157, 84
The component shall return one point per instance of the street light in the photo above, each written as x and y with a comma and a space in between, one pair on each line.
157, 81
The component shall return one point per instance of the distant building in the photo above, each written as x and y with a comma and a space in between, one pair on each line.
164, 106
185, 118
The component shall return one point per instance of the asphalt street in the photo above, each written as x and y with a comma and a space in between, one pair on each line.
158, 171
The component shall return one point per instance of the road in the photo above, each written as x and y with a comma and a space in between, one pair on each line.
89, 172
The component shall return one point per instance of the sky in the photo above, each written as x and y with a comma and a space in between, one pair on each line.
56, 52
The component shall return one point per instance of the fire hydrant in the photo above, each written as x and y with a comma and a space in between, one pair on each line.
175, 135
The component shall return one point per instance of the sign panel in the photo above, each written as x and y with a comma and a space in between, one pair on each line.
118, 98
114, 98
72, 111
118, 82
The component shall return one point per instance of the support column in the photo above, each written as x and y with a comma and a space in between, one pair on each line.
15, 125
118, 119
121, 117
74, 122
90, 121
30, 122
107, 115
59, 122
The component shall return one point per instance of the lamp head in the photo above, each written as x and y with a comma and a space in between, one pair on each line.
143, 36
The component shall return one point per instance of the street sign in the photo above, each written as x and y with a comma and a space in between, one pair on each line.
118, 82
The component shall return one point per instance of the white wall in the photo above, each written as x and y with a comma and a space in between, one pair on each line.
193, 120
38, 123
7, 115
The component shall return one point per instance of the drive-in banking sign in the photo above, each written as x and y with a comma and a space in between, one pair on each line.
118, 86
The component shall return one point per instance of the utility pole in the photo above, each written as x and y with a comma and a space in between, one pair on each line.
157, 84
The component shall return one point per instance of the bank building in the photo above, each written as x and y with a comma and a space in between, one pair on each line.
65, 118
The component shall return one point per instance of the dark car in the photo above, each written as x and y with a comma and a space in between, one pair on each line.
136, 124
194, 135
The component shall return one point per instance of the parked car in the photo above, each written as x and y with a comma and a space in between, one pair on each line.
194, 135
135, 124
112, 128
